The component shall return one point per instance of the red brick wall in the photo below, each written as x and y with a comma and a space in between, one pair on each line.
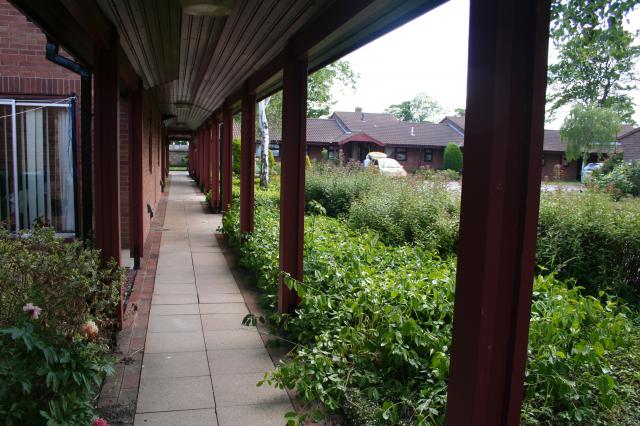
569, 172
23, 67
124, 172
415, 159
151, 134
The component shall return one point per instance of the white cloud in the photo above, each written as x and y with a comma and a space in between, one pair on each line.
428, 54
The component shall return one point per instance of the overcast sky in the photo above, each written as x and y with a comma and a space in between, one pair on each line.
426, 55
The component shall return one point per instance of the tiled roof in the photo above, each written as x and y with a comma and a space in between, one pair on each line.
391, 131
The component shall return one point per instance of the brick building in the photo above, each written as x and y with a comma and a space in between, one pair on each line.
41, 107
352, 135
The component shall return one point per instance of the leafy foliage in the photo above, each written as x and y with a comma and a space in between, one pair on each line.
589, 129
596, 241
236, 155
50, 366
63, 278
452, 158
320, 100
374, 330
47, 377
419, 109
596, 55
319, 97
617, 179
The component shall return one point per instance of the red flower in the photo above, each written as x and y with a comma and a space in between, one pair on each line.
100, 422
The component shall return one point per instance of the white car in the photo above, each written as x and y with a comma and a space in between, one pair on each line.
587, 170
373, 155
389, 166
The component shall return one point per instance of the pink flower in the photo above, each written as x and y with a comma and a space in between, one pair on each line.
90, 329
100, 422
32, 310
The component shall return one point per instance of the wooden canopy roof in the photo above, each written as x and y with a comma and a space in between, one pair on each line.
193, 64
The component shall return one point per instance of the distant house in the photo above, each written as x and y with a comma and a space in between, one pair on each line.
351, 135
631, 144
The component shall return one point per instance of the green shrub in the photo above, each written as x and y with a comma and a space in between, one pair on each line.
592, 239
50, 366
411, 212
452, 158
63, 278
375, 323
337, 187
47, 377
236, 155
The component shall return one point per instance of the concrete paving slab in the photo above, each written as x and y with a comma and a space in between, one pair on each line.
182, 288
241, 389
244, 338
174, 323
222, 308
178, 418
221, 298
175, 364
174, 299
181, 341
212, 322
175, 393
268, 414
236, 361
191, 309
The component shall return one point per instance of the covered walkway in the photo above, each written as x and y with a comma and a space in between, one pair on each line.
200, 365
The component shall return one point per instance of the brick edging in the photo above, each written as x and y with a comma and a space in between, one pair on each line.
120, 390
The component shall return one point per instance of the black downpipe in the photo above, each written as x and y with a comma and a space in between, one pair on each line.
52, 54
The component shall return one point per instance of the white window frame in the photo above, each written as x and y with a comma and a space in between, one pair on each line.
14, 141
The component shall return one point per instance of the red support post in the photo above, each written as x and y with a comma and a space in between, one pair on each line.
136, 203
107, 156
227, 170
202, 154
247, 163
292, 160
207, 159
499, 213
215, 172
197, 152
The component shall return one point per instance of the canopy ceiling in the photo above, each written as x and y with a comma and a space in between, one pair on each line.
193, 63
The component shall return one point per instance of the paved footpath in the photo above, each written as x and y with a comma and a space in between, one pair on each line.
200, 365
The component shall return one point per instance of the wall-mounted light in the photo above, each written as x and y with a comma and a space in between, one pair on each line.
207, 7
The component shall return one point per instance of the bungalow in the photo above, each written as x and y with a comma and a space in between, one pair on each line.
631, 144
351, 135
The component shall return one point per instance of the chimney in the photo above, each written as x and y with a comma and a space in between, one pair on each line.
359, 111
412, 133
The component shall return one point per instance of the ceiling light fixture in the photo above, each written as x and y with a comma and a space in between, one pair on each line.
207, 7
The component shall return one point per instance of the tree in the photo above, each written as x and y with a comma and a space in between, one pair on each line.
589, 129
460, 112
419, 109
596, 55
452, 158
263, 125
319, 97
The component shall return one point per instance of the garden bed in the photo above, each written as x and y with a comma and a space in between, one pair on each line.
374, 325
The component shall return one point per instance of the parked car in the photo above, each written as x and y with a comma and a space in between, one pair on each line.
587, 170
372, 156
388, 166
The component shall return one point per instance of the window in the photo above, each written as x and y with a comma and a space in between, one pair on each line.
37, 164
401, 154
275, 149
428, 155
